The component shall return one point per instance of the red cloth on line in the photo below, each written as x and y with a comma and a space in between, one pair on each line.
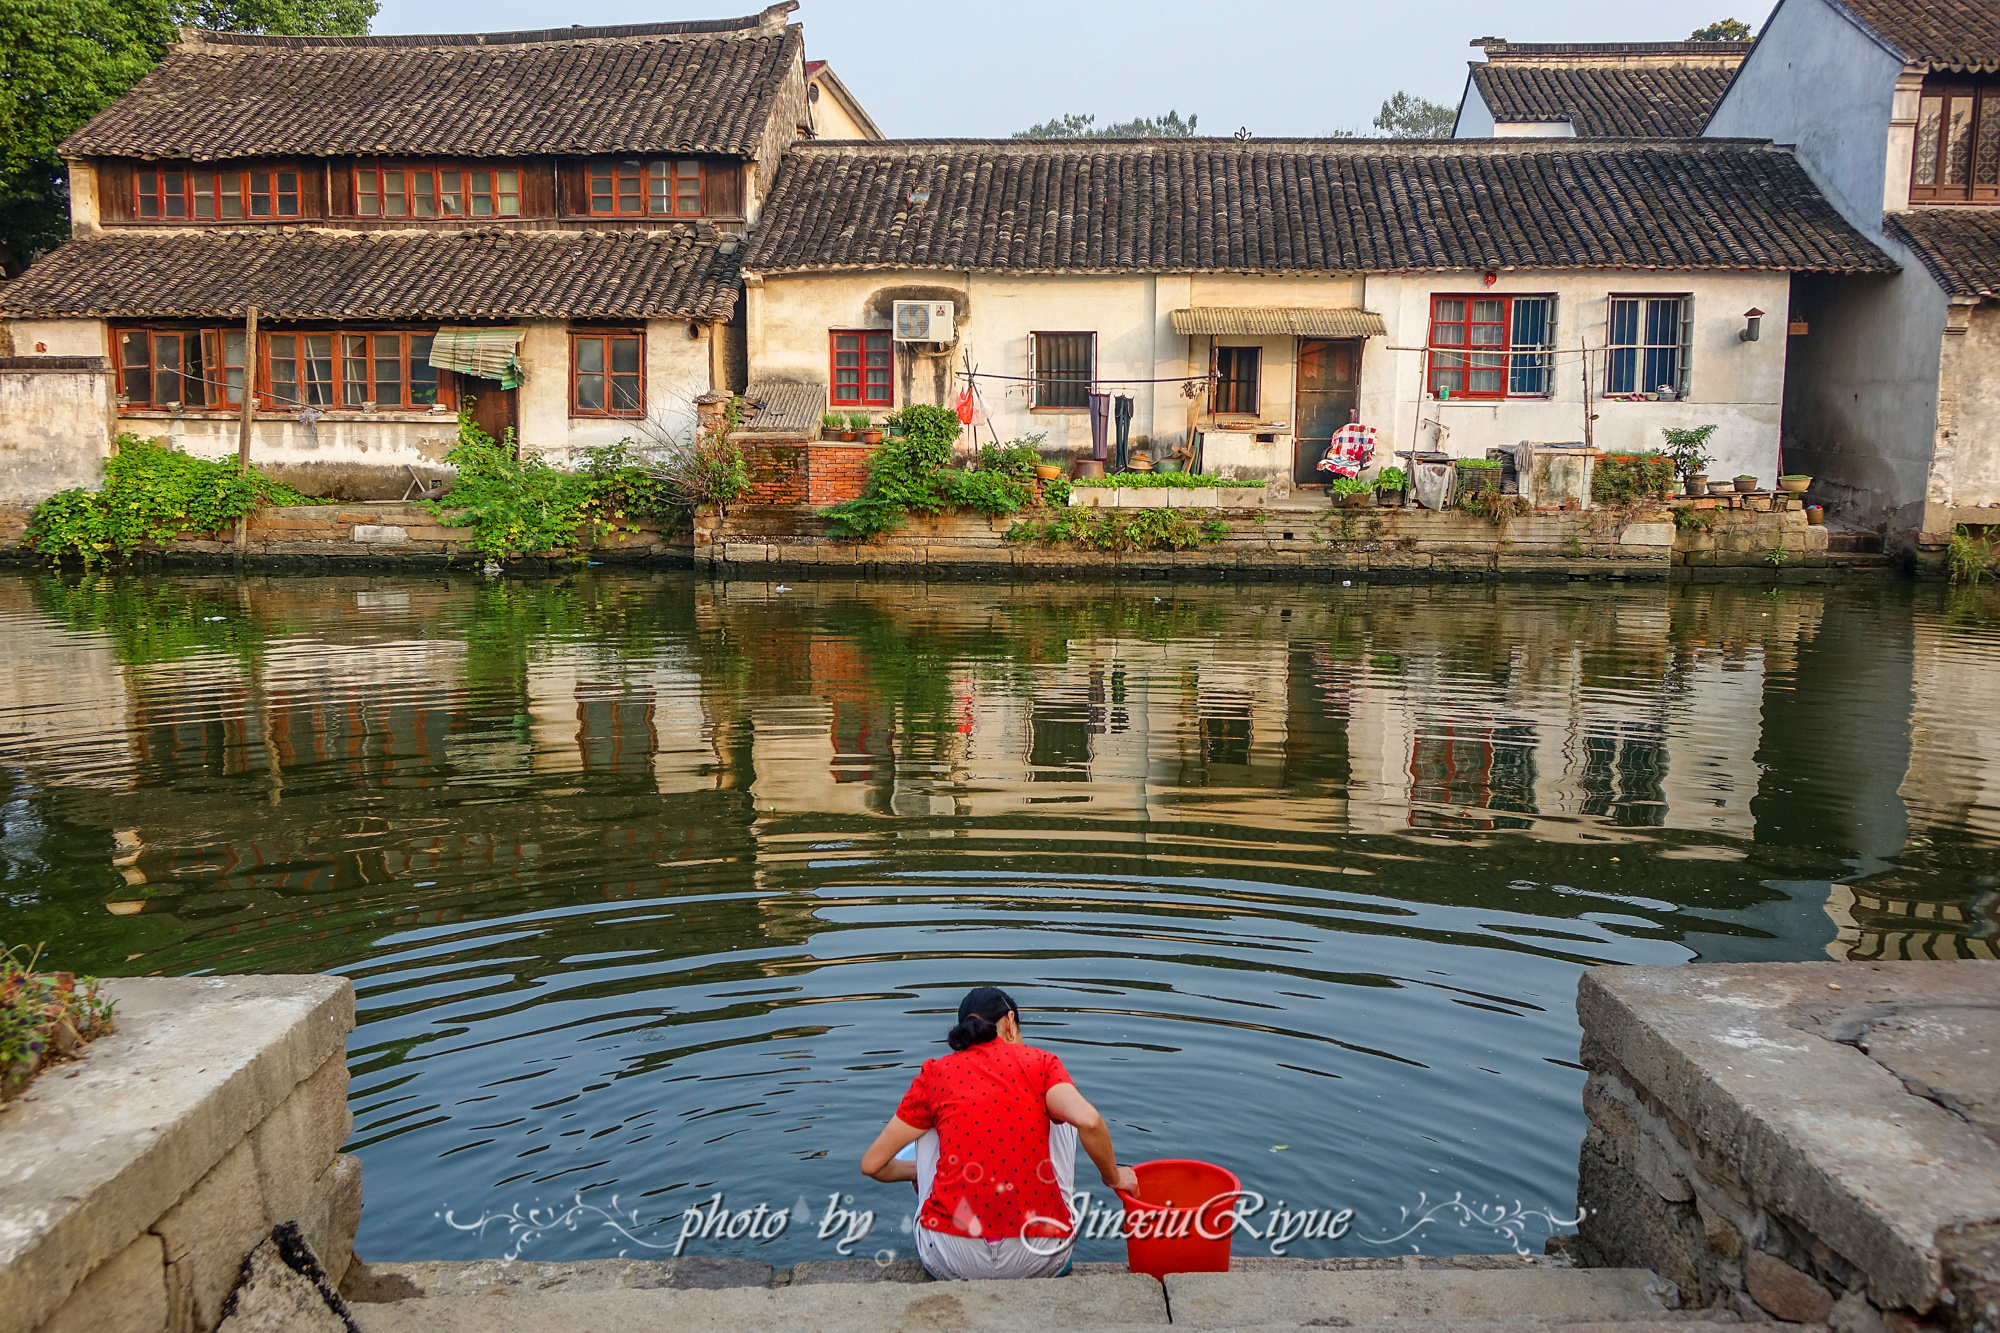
988, 1105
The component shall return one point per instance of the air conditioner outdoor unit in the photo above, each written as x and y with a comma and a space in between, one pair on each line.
924, 322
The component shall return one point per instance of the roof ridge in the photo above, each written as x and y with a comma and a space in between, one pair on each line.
769, 23
1584, 50
1452, 147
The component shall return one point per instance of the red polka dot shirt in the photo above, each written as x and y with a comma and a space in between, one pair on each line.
989, 1109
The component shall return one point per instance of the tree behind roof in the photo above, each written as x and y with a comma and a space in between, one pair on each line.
1407, 116
63, 61
1723, 30
1169, 126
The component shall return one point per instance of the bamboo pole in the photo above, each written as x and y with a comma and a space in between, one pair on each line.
248, 414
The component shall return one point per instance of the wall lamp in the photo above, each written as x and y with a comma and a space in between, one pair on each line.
1753, 323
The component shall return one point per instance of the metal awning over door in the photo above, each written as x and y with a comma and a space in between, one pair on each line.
1279, 321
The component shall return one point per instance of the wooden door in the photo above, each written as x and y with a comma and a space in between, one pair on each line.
493, 408
1329, 375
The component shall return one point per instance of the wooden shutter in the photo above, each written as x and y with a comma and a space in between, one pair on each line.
722, 189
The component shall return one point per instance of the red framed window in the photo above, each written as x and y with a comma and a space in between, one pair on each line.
632, 188
159, 367
607, 374
1491, 346
864, 364
174, 194
433, 191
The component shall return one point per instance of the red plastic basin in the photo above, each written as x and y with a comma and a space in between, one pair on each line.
1179, 1221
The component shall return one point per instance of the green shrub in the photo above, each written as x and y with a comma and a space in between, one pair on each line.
902, 475
1017, 458
1623, 479
993, 493
1687, 446
1122, 529
529, 506
150, 493
34, 1008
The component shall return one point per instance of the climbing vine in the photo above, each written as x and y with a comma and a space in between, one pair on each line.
150, 494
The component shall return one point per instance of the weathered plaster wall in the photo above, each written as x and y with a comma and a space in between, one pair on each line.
59, 337
1475, 118
1861, 404
55, 427
1737, 385
132, 1184
1817, 79
1966, 473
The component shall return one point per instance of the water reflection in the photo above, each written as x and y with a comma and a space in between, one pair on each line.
663, 887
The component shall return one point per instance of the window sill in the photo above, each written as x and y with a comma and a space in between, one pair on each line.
232, 414
607, 416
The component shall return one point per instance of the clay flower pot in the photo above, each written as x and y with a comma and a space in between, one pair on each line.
871, 437
1796, 485
1744, 485
848, 436
1048, 471
1815, 515
1697, 483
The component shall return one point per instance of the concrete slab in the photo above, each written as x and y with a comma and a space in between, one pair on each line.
1762, 1063
90, 1160
1122, 1302
499, 1277
1233, 1300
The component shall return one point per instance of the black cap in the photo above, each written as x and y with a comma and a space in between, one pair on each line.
989, 1002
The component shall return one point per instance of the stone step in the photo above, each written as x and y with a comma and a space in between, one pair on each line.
720, 1294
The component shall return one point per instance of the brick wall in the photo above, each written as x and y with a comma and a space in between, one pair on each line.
837, 472
777, 473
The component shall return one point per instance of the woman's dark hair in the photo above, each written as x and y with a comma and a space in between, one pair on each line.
979, 1015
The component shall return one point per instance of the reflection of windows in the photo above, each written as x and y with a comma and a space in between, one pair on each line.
633, 188
1236, 375
1624, 778
1062, 366
1492, 346
607, 375
1957, 150
1482, 770
863, 369
436, 192
1647, 343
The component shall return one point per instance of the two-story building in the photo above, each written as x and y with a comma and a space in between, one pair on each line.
1245, 300
1894, 108
545, 226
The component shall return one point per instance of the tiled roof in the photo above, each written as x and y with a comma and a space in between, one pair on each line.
1960, 246
1500, 49
1339, 205
1943, 34
653, 88
782, 409
1606, 101
380, 275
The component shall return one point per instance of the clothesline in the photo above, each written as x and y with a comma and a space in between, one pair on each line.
1062, 378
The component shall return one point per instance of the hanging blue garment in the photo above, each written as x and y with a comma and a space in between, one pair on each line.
1121, 417
1100, 421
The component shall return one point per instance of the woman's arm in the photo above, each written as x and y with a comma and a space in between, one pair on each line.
880, 1163
1066, 1104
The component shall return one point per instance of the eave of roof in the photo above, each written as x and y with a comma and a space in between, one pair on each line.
1959, 246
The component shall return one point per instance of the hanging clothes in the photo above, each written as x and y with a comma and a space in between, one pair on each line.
1350, 450
1100, 422
966, 406
1432, 483
1121, 418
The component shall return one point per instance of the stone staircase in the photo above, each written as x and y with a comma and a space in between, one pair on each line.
1411, 1294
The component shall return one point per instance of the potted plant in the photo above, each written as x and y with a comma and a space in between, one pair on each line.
1352, 492
1390, 485
830, 425
850, 429
1687, 446
1745, 483
1478, 474
1796, 483
870, 432
1047, 471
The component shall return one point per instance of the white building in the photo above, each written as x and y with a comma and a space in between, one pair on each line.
1255, 296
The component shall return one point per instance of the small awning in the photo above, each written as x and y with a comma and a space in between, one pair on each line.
491, 354
1283, 321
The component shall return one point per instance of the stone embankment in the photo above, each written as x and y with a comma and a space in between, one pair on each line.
134, 1181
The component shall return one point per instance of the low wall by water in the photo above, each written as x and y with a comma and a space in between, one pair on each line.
1815, 1142
134, 1181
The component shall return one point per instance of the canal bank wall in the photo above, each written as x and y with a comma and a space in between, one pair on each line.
1277, 539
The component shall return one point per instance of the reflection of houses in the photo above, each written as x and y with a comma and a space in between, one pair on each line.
1873, 926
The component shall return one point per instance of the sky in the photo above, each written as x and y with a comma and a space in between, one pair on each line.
945, 68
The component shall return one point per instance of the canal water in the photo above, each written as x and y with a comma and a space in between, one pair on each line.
655, 889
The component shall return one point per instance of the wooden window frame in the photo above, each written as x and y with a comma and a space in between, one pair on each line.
149, 185
1932, 145
337, 383
649, 175
190, 369
577, 337
885, 346
452, 189
1043, 385
1509, 358
1682, 347
1229, 389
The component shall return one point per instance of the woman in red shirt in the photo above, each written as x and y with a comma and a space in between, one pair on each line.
996, 1126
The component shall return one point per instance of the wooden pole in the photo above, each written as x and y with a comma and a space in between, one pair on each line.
249, 413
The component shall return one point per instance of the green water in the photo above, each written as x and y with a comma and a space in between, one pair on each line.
656, 888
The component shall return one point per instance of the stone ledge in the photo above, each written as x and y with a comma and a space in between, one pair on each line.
89, 1163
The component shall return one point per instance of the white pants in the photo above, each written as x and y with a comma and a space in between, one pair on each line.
949, 1258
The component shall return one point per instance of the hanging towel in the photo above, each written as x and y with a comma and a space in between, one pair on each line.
1100, 421
1121, 417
